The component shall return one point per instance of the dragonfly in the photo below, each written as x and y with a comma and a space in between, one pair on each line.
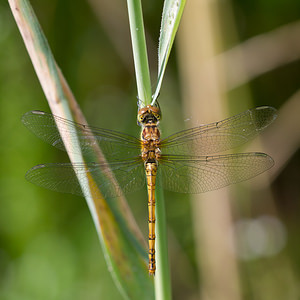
186, 162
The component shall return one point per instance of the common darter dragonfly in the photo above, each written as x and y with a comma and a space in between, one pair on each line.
186, 162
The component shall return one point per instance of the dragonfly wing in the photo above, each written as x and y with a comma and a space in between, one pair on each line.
207, 173
112, 143
63, 177
220, 136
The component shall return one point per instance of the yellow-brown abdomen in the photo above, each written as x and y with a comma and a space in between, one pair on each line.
151, 171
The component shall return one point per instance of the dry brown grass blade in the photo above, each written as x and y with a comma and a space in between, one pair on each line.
261, 54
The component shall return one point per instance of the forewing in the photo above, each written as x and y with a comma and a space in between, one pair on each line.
207, 173
219, 136
113, 144
63, 177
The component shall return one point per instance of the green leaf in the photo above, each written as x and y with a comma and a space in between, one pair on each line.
171, 16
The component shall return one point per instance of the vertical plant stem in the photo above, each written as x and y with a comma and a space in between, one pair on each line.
162, 277
139, 51
162, 282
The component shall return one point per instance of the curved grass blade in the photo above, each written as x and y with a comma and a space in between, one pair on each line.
114, 223
171, 16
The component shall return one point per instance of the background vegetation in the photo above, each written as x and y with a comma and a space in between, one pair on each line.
48, 245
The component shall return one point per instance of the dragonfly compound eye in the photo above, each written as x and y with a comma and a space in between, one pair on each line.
157, 116
155, 111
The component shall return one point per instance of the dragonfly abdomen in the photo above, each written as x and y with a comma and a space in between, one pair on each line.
151, 171
150, 154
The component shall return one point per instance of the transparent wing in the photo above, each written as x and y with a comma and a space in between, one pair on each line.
207, 173
219, 136
62, 177
114, 145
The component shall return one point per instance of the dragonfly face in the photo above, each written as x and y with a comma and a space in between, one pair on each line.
149, 115
187, 161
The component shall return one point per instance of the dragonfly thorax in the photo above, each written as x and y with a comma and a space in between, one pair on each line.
150, 143
150, 132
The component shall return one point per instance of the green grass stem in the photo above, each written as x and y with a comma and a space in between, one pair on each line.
162, 277
139, 48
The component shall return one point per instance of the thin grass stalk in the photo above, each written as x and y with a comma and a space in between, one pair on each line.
139, 48
162, 277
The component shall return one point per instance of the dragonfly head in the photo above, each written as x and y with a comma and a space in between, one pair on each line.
149, 115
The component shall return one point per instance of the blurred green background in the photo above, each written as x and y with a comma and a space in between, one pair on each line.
48, 245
